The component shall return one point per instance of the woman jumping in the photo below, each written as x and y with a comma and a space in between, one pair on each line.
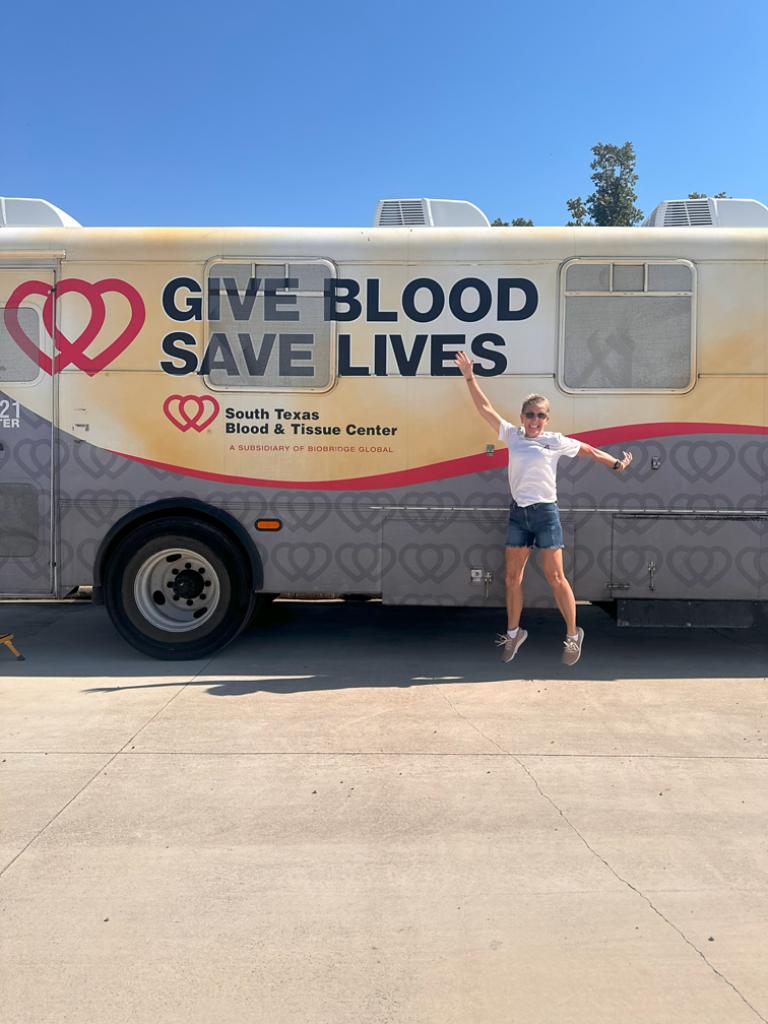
534, 518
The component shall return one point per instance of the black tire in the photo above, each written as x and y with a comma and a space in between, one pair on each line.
157, 612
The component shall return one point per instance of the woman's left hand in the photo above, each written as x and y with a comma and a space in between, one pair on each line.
625, 461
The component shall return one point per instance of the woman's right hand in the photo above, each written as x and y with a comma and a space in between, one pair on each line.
464, 364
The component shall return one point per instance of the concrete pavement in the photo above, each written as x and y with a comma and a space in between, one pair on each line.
358, 814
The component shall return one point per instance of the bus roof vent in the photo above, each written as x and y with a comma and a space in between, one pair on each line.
438, 213
33, 213
719, 213
395, 213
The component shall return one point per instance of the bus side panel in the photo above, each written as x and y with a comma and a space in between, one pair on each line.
419, 544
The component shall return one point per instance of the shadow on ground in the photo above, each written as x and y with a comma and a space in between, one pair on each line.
312, 646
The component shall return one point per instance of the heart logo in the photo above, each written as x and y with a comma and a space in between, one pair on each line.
73, 351
185, 411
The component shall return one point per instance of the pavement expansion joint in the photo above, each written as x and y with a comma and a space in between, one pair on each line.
96, 774
638, 892
603, 861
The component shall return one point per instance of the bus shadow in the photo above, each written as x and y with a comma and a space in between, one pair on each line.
304, 646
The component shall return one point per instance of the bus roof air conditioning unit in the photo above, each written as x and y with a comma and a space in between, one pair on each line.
429, 213
709, 213
33, 213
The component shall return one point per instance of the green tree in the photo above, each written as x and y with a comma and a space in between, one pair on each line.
518, 222
612, 204
703, 195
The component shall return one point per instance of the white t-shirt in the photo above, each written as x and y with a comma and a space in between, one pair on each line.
533, 462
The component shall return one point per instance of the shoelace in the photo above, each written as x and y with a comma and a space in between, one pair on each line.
503, 639
571, 646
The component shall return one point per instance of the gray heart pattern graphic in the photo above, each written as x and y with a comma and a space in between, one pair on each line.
753, 565
33, 457
302, 510
301, 562
753, 456
572, 470
486, 556
367, 562
32, 567
98, 463
631, 503
101, 507
700, 565
703, 502
75, 561
631, 562
583, 560
643, 454
429, 563
362, 510
702, 460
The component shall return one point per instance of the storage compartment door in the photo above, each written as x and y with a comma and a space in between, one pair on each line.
718, 558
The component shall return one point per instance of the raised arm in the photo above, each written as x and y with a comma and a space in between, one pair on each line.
482, 404
605, 458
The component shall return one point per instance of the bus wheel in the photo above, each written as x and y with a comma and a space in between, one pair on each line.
175, 588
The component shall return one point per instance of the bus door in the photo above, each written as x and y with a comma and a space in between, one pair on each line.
26, 430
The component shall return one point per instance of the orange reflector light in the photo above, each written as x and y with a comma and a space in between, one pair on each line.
269, 524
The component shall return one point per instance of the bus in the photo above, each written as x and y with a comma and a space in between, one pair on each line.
194, 418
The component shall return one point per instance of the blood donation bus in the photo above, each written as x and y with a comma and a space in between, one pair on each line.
191, 418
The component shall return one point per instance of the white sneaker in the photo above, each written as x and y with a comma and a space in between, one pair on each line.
572, 651
510, 644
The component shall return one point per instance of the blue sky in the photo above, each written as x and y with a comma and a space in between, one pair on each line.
307, 113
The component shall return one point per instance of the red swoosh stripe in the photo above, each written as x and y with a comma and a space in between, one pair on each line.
463, 466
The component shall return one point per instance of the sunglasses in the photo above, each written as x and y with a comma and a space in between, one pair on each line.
536, 415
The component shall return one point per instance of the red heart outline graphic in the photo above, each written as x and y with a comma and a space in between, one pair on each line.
74, 351
175, 409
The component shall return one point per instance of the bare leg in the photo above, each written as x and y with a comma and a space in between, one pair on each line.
552, 563
516, 559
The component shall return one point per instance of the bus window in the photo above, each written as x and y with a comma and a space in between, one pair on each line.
17, 365
265, 326
627, 326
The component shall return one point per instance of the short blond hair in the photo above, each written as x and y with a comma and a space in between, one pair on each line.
534, 400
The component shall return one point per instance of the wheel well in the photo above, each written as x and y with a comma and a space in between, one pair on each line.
191, 509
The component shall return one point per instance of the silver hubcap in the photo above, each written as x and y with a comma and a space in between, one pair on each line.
177, 590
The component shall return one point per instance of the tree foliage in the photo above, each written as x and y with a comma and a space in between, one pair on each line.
612, 204
518, 222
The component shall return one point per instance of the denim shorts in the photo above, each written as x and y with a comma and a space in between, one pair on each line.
535, 526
